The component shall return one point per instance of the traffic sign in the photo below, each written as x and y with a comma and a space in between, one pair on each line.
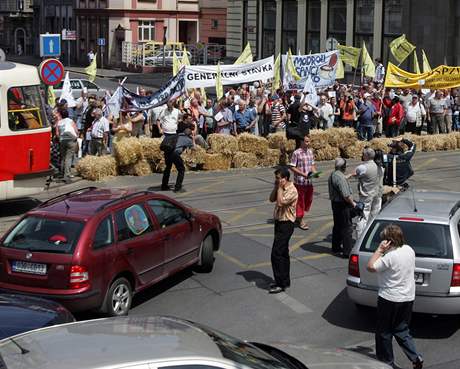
101, 42
51, 72
50, 45
68, 35
331, 44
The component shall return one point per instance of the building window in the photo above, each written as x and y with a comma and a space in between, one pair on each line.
313, 26
268, 28
245, 23
364, 24
146, 31
337, 20
289, 28
392, 25
214, 24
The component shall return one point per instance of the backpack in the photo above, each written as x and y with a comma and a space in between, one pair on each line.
168, 144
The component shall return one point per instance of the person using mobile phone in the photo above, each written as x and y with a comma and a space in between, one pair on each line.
394, 263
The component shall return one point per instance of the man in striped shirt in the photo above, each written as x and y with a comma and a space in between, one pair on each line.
278, 114
99, 133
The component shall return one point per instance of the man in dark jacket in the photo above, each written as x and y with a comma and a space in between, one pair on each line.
402, 158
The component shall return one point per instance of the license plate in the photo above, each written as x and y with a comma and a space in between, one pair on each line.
419, 278
26, 267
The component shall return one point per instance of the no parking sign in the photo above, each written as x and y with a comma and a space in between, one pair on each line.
51, 72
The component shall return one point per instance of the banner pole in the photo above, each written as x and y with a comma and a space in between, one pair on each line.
356, 69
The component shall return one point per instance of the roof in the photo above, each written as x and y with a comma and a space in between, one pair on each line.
15, 74
432, 206
104, 342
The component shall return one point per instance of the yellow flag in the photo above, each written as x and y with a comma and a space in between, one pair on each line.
277, 74
203, 94
367, 63
426, 64
290, 67
51, 97
219, 87
176, 64
246, 56
185, 60
349, 55
401, 48
91, 70
416, 66
340, 72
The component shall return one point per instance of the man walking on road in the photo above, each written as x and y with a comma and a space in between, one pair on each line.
394, 261
303, 165
284, 195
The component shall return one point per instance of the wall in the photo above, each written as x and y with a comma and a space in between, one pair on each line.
235, 27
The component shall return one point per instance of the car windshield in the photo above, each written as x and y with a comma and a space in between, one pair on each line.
44, 235
427, 239
241, 352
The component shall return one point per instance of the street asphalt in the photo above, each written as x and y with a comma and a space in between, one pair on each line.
233, 298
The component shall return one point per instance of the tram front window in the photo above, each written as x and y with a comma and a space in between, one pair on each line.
26, 108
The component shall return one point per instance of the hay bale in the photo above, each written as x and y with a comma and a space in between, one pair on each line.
217, 162
151, 148
194, 157
380, 144
139, 169
353, 151
223, 144
252, 144
96, 168
158, 166
327, 153
319, 138
128, 151
245, 160
271, 158
438, 142
457, 137
337, 137
278, 139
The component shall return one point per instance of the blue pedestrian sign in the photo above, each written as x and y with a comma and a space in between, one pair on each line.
101, 42
50, 45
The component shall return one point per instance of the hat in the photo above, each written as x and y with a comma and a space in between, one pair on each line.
366, 95
275, 97
415, 96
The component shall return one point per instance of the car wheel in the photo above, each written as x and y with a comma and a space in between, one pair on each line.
207, 255
119, 298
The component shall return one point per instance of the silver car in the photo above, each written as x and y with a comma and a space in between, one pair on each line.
158, 343
430, 224
78, 85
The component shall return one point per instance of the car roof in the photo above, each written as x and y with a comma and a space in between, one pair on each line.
432, 206
111, 341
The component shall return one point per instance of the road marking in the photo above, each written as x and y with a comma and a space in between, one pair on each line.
292, 303
241, 215
313, 257
232, 259
201, 188
266, 235
293, 260
310, 237
425, 164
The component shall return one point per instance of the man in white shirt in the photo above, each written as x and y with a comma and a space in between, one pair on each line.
99, 133
379, 71
394, 261
167, 120
415, 114
326, 113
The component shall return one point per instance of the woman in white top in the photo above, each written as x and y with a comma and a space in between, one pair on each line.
394, 261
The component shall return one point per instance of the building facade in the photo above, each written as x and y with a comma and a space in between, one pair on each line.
213, 21
16, 26
273, 26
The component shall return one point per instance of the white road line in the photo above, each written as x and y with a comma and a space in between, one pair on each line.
292, 303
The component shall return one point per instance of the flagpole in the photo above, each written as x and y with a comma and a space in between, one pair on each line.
356, 69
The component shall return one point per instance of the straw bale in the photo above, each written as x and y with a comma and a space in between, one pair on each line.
318, 139
217, 162
271, 158
327, 153
252, 144
194, 157
158, 166
127, 151
223, 144
151, 148
380, 144
139, 169
245, 160
337, 137
353, 151
278, 139
96, 168
438, 142
449, 142
457, 137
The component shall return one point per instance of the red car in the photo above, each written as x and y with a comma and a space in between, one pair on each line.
94, 248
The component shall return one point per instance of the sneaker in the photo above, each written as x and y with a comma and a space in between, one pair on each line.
180, 190
275, 290
418, 364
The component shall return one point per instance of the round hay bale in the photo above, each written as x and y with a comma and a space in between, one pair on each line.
252, 144
151, 148
278, 139
223, 144
128, 151
327, 153
194, 157
271, 158
337, 137
217, 162
139, 169
353, 151
318, 139
244, 160
96, 168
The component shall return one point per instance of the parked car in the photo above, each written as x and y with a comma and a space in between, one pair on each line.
94, 248
19, 313
160, 342
430, 222
77, 86
157, 59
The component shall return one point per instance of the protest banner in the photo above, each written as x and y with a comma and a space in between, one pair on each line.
174, 88
197, 76
440, 77
320, 68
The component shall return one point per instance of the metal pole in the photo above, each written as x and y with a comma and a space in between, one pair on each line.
68, 53
102, 57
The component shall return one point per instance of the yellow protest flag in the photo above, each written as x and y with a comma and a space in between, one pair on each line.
277, 74
176, 64
203, 95
91, 70
340, 72
246, 56
219, 87
426, 64
401, 48
51, 98
368, 66
290, 66
185, 60
349, 55
416, 66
